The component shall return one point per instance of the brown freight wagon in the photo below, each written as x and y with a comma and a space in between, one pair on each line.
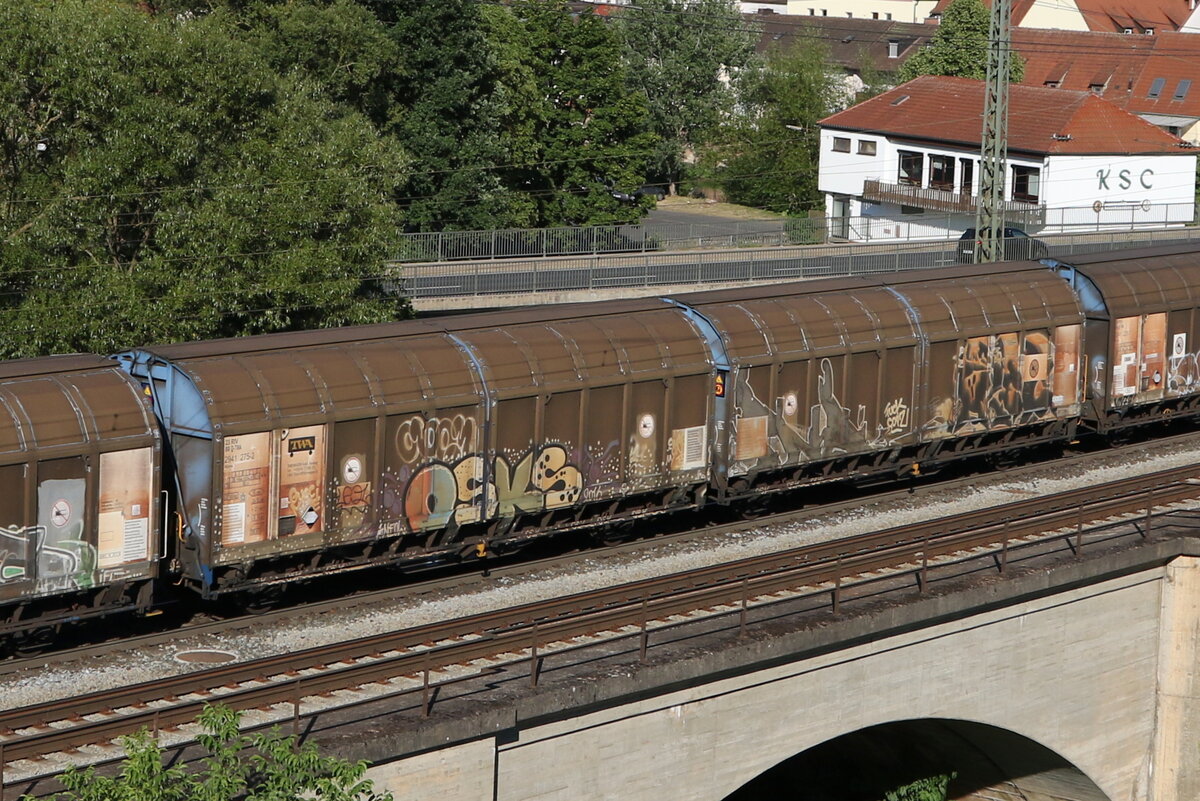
886, 375
323, 451
1143, 333
80, 532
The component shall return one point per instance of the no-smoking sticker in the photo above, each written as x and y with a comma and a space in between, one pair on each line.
60, 513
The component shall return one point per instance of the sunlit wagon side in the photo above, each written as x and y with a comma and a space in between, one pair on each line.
592, 412
80, 521
1143, 333
876, 376
320, 452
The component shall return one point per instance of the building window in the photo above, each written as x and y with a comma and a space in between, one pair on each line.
941, 172
1026, 183
824, 12
866, 147
893, 48
912, 167
841, 144
889, 15
966, 170
1128, 30
1181, 89
1156, 87
1149, 31
874, 15
911, 210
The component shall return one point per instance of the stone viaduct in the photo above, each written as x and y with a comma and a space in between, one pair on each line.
1076, 680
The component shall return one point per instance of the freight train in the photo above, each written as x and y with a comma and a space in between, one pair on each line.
235, 467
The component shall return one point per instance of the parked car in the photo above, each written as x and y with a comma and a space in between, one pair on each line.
1018, 246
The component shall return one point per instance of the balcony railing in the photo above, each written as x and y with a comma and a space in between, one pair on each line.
941, 199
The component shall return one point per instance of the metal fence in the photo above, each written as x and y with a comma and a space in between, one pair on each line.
686, 270
648, 237
545, 242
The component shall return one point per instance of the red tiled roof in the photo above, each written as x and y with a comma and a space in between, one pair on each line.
1112, 16
935, 108
1116, 15
1077, 59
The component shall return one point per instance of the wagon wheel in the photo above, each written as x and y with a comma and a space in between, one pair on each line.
615, 533
32, 642
263, 599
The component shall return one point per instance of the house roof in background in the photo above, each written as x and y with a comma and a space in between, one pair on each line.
1109, 16
1043, 121
848, 39
1140, 15
1122, 68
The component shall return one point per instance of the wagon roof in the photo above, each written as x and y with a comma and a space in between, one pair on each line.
1144, 279
363, 333
54, 364
77, 403
763, 323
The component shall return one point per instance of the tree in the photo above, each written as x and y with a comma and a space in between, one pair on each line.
960, 47
587, 131
340, 45
162, 182
444, 107
262, 767
682, 55
769, 158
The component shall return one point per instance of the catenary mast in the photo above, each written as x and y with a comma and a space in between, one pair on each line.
989, 216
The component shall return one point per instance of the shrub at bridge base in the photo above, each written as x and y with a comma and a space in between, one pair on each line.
259, 767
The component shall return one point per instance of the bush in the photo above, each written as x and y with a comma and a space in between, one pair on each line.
260, 767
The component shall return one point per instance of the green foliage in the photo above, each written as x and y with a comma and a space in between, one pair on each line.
769, 158
960, 47
261, 767
181, 169
163, 182
930, 789
679, 55
336, 44
450, 111
586, 124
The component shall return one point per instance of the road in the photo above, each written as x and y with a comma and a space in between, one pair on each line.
707, 268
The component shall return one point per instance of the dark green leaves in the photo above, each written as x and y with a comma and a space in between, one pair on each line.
262, 767
960, 46
169, 177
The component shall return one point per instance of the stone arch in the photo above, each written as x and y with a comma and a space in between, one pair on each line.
863, 765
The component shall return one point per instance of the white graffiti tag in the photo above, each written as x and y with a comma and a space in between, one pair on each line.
444, 438
895, 416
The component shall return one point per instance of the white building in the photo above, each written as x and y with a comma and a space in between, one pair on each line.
897, 10
905, 164
1115, 16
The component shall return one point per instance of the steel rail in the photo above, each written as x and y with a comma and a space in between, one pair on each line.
825, 568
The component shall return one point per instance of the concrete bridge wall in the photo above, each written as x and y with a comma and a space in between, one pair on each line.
1104, 675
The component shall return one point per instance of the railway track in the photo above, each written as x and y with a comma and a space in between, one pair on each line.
415, 664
